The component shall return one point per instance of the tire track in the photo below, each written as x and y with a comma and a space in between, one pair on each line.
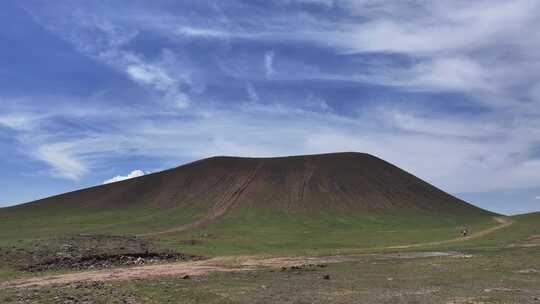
219, 209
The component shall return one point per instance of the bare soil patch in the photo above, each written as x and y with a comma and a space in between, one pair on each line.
108, 261
197, 268
86, 252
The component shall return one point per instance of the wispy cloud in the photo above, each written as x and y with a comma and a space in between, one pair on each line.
484, 155
105, 41
252, 93
63, 161
269, 64
202, 32
17, 121
160, 79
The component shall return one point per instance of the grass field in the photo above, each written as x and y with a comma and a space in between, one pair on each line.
243, 231
17, 225
502, 267
256, 232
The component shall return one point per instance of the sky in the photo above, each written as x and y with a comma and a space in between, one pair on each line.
99, 91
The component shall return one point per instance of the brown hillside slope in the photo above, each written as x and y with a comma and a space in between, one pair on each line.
338, 182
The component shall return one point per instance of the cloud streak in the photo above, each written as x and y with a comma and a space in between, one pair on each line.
486, 156
269, 64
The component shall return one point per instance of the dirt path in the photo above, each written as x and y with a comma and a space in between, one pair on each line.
502, 222
227, 264
219, 209
219, 264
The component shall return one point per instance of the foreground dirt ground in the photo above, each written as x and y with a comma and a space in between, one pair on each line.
198, 268
510, 275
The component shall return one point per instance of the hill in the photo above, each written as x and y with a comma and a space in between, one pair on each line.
340, 182
265, 198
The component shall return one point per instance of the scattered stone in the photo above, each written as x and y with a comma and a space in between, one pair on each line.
186, 277
107, 261
502, 290
190, 242
326, 277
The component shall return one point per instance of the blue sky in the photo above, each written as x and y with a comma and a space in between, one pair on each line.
448, 90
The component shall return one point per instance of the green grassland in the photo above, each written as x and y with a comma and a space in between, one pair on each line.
17, 225
523, 227
497, 272
257, 232
243, 231
501, 269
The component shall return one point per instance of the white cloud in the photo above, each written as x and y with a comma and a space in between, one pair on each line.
446, 74
537, 197
202, 32
158, 78
327, 3
269, 64
252, 93
164, 75
483, 48
441, 27
458, 153
71, 157
150, 75
18, 121
62, 160
133, 174
103, 40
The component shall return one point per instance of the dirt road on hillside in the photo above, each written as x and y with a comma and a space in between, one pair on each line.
224, 264
503, 222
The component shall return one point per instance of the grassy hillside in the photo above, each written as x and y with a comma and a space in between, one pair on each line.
255, 232
243, 231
